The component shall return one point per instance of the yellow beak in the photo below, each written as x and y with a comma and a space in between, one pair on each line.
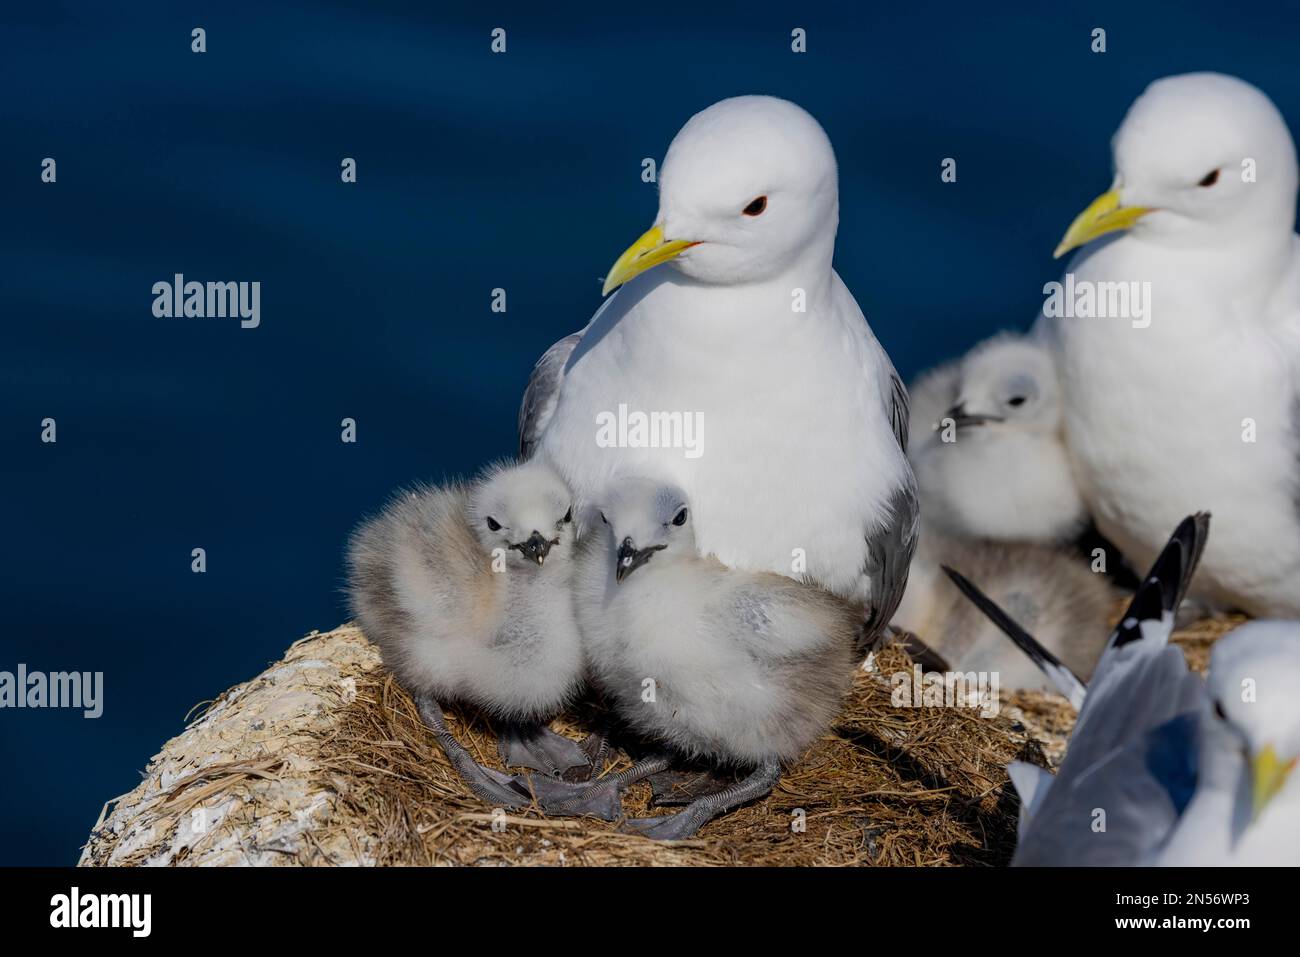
648, 251
1104, 215
1268, 774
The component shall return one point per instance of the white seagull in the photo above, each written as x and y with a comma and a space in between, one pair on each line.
798, 464
1246, 807
1163, 768
1188, 398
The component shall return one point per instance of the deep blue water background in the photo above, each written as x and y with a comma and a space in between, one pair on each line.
475, 171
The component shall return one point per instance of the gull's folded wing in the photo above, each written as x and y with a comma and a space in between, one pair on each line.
891, 545
542, 392
889, 556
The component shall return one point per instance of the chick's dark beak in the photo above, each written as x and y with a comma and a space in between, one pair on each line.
536, 548
630, 558
962, 419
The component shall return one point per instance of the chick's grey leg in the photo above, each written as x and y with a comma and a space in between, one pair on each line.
538, 747
602, 798
596, 747
684, 824
492, 786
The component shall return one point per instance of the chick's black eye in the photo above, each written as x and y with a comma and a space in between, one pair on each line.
1210, 178
493, 524
1016, 400
680, 518
568, 516
756, 207
1218, 710
603, 518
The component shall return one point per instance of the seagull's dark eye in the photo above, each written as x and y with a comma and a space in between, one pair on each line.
568, 516
1016, 401
756, 207
1210, 178
493, 524
603, 518
680, 518
1218, 710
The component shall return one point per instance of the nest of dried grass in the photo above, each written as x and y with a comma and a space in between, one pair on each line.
323, 760
887, 786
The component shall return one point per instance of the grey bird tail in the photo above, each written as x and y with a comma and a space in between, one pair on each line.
1162, 591
1065, 680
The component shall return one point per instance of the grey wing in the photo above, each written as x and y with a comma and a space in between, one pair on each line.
1295, 441
542, 393
891, 545
1124, 705
890, 548
1132, 755
1119, 810
894, 394
1136, 765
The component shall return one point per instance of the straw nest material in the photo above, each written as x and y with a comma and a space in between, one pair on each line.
322, 760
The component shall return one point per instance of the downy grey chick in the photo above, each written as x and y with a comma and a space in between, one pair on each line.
1051, 591
994, 465
466, 589
744, 669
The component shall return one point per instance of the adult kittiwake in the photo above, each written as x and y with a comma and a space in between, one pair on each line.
744, 373
1176, 338
1246, 807
1163, 768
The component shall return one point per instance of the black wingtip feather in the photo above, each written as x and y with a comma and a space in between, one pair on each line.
1147, 605
1165, 585
1195, 530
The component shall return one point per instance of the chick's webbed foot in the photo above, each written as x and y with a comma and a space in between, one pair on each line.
541, 749
684, 824
568, 799
602, 798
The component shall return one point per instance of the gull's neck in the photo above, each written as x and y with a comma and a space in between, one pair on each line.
1254, 254
811, 269
769, 302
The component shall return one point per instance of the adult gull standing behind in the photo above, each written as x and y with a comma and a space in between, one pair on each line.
1187, 398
